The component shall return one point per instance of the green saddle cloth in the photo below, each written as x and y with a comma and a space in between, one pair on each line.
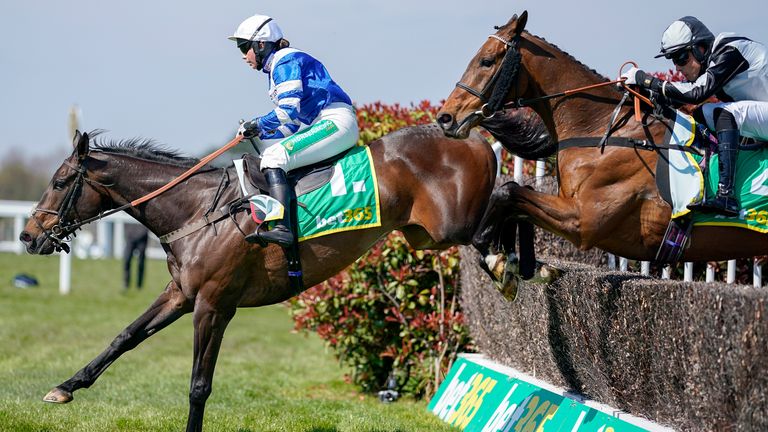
350, 201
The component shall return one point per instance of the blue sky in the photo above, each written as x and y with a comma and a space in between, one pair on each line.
165, 70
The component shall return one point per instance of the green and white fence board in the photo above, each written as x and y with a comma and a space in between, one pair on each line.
484, 396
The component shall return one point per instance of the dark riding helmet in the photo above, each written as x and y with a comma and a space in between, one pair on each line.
262, 34
686, 34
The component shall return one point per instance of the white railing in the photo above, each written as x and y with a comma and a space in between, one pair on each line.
645, 266
108, 240
103, 238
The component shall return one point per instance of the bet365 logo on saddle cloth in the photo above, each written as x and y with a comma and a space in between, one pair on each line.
350, 201
686, 182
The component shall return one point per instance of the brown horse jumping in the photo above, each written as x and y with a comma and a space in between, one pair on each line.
606, 199
432, 188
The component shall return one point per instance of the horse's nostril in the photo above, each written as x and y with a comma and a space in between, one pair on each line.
445, 119
25, 237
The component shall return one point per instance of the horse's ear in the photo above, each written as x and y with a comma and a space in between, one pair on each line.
518, 22
81, 144
521, 22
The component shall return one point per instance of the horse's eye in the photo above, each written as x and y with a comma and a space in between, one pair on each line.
59, 184
487, 62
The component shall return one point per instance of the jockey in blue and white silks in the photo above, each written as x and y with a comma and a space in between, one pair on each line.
732, 68
313, 121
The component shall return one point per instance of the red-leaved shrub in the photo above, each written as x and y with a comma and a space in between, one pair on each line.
395, 310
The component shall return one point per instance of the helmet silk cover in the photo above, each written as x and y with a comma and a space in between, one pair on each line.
684, 33
259, 28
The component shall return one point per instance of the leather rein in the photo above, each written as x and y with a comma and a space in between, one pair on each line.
62, 231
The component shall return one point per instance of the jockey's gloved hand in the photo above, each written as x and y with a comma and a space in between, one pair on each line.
248, 129
630, 76
637, 77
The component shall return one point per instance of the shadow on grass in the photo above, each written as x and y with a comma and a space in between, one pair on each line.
328, 429
314, 429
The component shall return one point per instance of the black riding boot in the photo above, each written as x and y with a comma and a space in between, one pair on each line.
282, 233
725, 202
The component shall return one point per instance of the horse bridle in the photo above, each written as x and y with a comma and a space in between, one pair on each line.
60, 232
510, 64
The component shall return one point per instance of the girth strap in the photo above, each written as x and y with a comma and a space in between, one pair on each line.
209, 219
621, 142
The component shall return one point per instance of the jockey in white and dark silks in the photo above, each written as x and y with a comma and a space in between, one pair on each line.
313, 121
730, 67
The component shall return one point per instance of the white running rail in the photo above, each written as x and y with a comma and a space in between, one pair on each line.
645, 267
103, 238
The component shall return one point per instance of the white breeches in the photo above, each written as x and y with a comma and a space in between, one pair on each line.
751, 117
333, 131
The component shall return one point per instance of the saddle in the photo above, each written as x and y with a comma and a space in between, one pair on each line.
303, 180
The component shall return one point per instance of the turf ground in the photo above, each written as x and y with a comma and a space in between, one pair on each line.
267, 378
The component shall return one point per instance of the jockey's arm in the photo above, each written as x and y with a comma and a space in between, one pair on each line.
283, 120
726, 64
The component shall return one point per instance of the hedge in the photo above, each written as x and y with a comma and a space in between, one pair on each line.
690, 355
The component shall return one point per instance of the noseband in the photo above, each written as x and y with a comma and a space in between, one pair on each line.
61, 231
501, 81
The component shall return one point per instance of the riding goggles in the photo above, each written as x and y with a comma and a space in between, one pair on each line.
680, 58
244, 46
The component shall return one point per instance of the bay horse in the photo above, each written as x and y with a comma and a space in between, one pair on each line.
606, 199
432, 188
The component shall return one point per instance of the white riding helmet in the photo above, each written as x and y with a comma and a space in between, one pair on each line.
258, 28
685, 33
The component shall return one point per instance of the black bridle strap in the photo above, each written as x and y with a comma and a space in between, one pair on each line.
471, 91
511, 53
506, 77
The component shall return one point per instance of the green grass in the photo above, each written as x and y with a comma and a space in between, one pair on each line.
267, 378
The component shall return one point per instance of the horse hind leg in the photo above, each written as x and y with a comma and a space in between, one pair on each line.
167, 308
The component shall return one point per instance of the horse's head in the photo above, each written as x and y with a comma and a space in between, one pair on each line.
493, 77
68, 200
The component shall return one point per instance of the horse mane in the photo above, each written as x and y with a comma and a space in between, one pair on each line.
569, 56
142, 148
521, 132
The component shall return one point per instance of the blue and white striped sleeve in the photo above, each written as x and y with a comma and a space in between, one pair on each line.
283, 120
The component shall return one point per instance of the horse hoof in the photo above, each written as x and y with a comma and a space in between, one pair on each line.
496, 264
548, 273
508, 288
58, 396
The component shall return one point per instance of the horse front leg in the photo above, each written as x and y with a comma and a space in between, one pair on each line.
512, 201
210, 325
167, 308
511, 208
